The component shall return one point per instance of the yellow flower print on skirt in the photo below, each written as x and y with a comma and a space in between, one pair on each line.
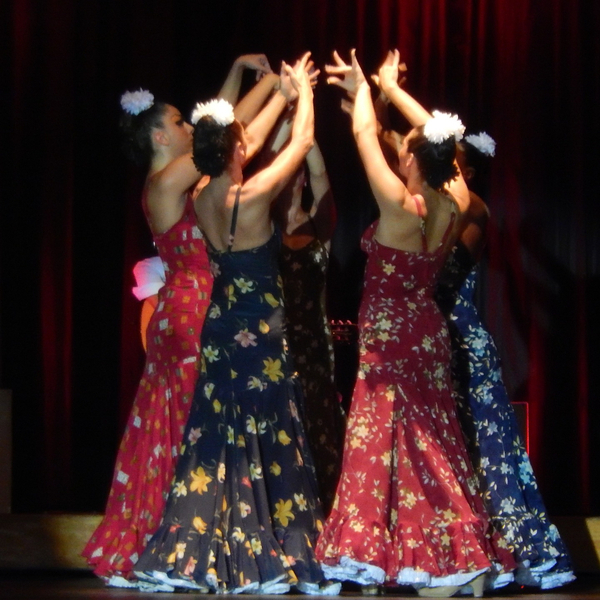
244, 502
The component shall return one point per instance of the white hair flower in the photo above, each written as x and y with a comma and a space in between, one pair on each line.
483, 142
443, 125
136, 102
220, 110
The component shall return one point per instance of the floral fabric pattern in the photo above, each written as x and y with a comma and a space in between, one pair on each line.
505, 476
303, 272
406, 509
243, 513
150, 444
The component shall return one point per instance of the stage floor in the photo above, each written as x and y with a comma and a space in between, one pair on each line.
34, 585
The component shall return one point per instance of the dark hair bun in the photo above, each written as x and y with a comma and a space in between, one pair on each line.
435, 159
213, 146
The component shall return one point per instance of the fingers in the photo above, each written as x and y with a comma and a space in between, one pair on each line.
335, 81
338, 59
287, 70
304, 61
263, 65
258, 62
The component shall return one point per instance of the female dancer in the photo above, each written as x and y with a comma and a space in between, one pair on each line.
307, 225
406, 511
508, 486
243, 512
156, 134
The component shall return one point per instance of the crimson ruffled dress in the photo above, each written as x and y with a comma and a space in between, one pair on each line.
406, 510
150, 444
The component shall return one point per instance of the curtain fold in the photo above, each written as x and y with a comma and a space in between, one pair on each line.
71, 228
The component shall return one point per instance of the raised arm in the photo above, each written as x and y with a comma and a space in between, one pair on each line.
323, 211
167, 192
230, 89
259, 128
416, 115
387, 80
386, 186
268, 183
319, 180
251, 104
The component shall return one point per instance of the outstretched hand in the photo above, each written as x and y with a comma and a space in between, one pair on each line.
303, 73
388, 75
257, 62
348, 77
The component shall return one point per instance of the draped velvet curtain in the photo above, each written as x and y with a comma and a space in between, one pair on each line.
71, 227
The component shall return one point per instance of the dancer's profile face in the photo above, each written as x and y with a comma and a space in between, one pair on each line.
178, 130
461, 158
403, 153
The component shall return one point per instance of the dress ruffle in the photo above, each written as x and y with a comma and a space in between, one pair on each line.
243, 513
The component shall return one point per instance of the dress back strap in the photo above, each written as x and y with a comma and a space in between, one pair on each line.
234, 219
420, 213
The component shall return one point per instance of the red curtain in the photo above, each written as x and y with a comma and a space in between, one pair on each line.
71, 227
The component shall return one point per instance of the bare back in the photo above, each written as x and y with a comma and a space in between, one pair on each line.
431, 221
218, 218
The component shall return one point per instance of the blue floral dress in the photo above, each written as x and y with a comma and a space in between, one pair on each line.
508, 486
243, 512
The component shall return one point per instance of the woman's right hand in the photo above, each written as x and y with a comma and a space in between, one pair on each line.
302, 75
348, 77
387, 79
257, 62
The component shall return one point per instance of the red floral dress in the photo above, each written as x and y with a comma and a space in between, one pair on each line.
406, 508
150, 444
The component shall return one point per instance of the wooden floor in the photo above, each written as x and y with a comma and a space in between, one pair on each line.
36, 585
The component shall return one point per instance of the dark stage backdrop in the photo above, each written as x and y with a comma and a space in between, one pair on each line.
71, 227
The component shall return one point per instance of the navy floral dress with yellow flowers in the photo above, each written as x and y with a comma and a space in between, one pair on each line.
243, 513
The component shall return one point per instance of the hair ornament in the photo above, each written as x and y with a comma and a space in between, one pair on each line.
442, 126
482, 142
136, 102
219, 110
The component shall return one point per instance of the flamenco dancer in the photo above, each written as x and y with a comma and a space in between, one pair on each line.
243, 512
406, 510
305, 213
156, 135
508, 486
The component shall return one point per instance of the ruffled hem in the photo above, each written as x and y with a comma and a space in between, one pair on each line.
267, 571
348, 569
367, 553
159, 581
119, 581
546, 576
535, 541
365, 574
114, 560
